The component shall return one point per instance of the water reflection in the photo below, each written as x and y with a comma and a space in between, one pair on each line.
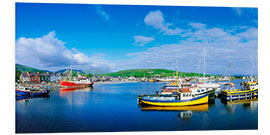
64, 91
186, 115
249, 104
26, 99
114, 108
196, 108
183, 112
75, 96
211, 103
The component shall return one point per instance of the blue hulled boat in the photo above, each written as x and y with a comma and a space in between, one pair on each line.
31, 92
23, 91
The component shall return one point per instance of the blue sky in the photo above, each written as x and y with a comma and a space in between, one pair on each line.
117, 37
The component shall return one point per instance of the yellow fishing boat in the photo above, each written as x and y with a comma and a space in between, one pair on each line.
184, 99
249, 90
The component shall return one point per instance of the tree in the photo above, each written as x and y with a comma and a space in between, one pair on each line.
18, 74
88, 75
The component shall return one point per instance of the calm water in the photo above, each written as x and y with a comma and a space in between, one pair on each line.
109, 108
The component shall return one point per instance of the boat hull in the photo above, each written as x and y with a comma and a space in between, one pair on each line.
22, 92
196, 108
235, 95
68, 84
195, 101
40, 93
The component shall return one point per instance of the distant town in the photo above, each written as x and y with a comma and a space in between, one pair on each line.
35, 76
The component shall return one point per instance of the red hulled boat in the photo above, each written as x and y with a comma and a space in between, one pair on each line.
76, 84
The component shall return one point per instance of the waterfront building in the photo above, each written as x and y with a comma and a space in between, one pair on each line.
25, 77
44, 77
115, 78
34, 77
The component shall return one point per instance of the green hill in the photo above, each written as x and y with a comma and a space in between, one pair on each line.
150, 73
25, 69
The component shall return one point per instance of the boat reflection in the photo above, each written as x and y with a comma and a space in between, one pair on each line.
183, 112
195, 108
186, 115
26, 99
249, 104
69, 90
211, 103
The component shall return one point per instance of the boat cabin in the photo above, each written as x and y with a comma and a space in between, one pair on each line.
186, 94
229, 86
250, 85
24, 88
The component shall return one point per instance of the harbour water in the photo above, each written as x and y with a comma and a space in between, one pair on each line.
113, 107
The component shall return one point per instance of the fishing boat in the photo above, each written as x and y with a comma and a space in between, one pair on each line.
23, 91
171, 87
40, 92
31, 92
79, 82
183, 98
76, 84
249, 90
197, 89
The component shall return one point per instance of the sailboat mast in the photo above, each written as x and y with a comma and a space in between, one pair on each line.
177, 86
229, 66
204, 62
199, 67
70, 72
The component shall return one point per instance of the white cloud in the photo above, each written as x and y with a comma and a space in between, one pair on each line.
156, 20
250, 34
141, 40
221, 47
197, 25
48, 52
102, 13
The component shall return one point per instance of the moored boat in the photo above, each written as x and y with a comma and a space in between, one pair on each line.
23, 91
79, 82
249, 90
76, 84
40, 92
183, 99
197, 89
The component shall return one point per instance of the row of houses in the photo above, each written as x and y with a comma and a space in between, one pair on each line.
39, 77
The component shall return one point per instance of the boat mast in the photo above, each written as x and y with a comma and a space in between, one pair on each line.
229, 66
204, 62
177, 86
70, 72
199, 67
252, 68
